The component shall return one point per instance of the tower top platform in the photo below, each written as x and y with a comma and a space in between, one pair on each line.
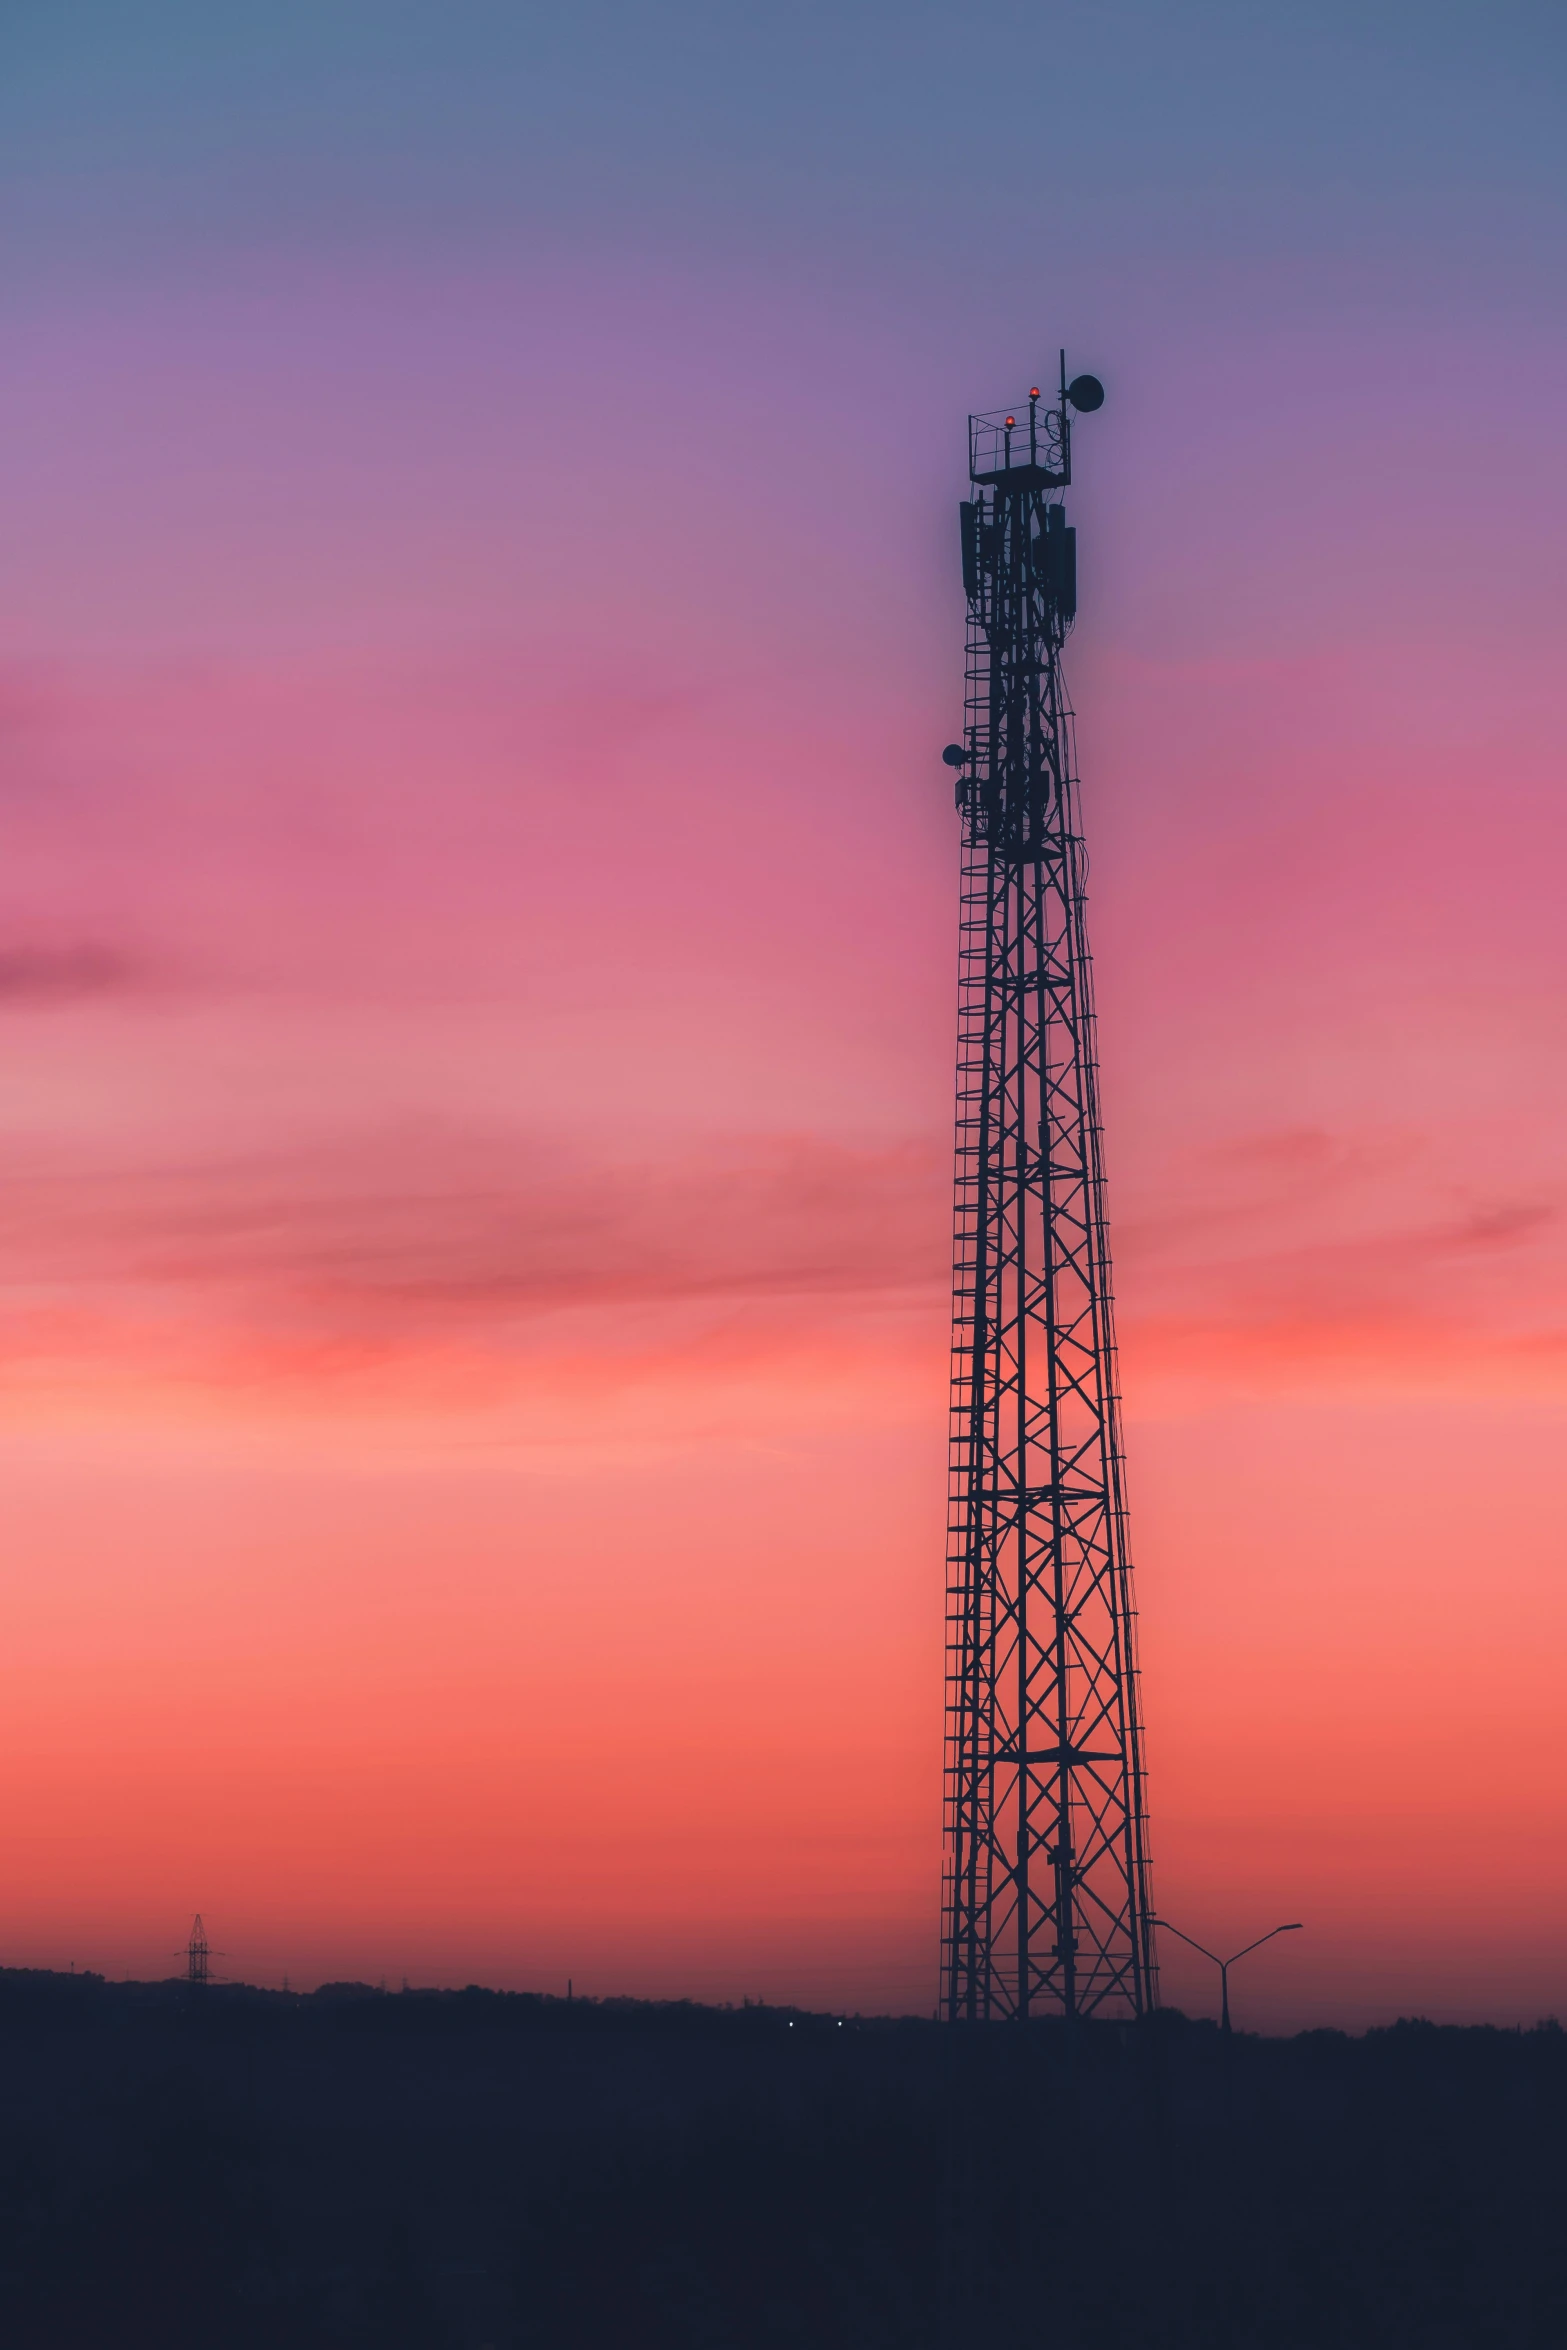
1027, 447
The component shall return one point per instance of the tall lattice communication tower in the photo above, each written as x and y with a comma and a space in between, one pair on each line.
1047, 1908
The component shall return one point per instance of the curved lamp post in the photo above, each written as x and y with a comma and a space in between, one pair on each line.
1224, 1964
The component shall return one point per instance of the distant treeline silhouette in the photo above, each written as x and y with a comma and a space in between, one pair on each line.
446, 2170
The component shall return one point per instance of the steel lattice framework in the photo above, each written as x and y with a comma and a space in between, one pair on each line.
1047, 1907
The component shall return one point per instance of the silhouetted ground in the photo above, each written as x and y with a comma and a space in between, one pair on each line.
352, 2169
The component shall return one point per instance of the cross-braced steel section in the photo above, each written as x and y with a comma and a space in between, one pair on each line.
1047, 1907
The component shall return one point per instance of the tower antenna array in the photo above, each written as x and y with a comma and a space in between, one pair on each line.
1047, 1908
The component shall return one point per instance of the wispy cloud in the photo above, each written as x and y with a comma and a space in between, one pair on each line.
33, 975
441, 1257
1296, 1255
413, 1242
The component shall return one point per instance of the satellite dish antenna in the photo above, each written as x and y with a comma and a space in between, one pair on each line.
955, 755
1086, 393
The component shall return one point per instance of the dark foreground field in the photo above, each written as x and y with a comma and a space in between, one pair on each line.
242, 2168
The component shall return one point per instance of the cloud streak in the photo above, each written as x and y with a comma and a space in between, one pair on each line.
412, 1243
490, 1256
38, 975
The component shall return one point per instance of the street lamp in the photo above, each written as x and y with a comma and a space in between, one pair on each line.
1224, 1964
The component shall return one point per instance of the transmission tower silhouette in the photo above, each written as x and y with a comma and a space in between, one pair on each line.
197, 1954
1047, 1908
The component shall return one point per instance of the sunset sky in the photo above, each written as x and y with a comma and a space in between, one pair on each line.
479, 616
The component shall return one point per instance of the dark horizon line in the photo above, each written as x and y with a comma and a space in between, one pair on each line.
624, 2007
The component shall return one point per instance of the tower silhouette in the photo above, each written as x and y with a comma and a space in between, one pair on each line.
1046, 1907
197, 1954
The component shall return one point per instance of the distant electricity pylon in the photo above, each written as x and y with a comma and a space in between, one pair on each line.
1047, 1908
197, 1954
